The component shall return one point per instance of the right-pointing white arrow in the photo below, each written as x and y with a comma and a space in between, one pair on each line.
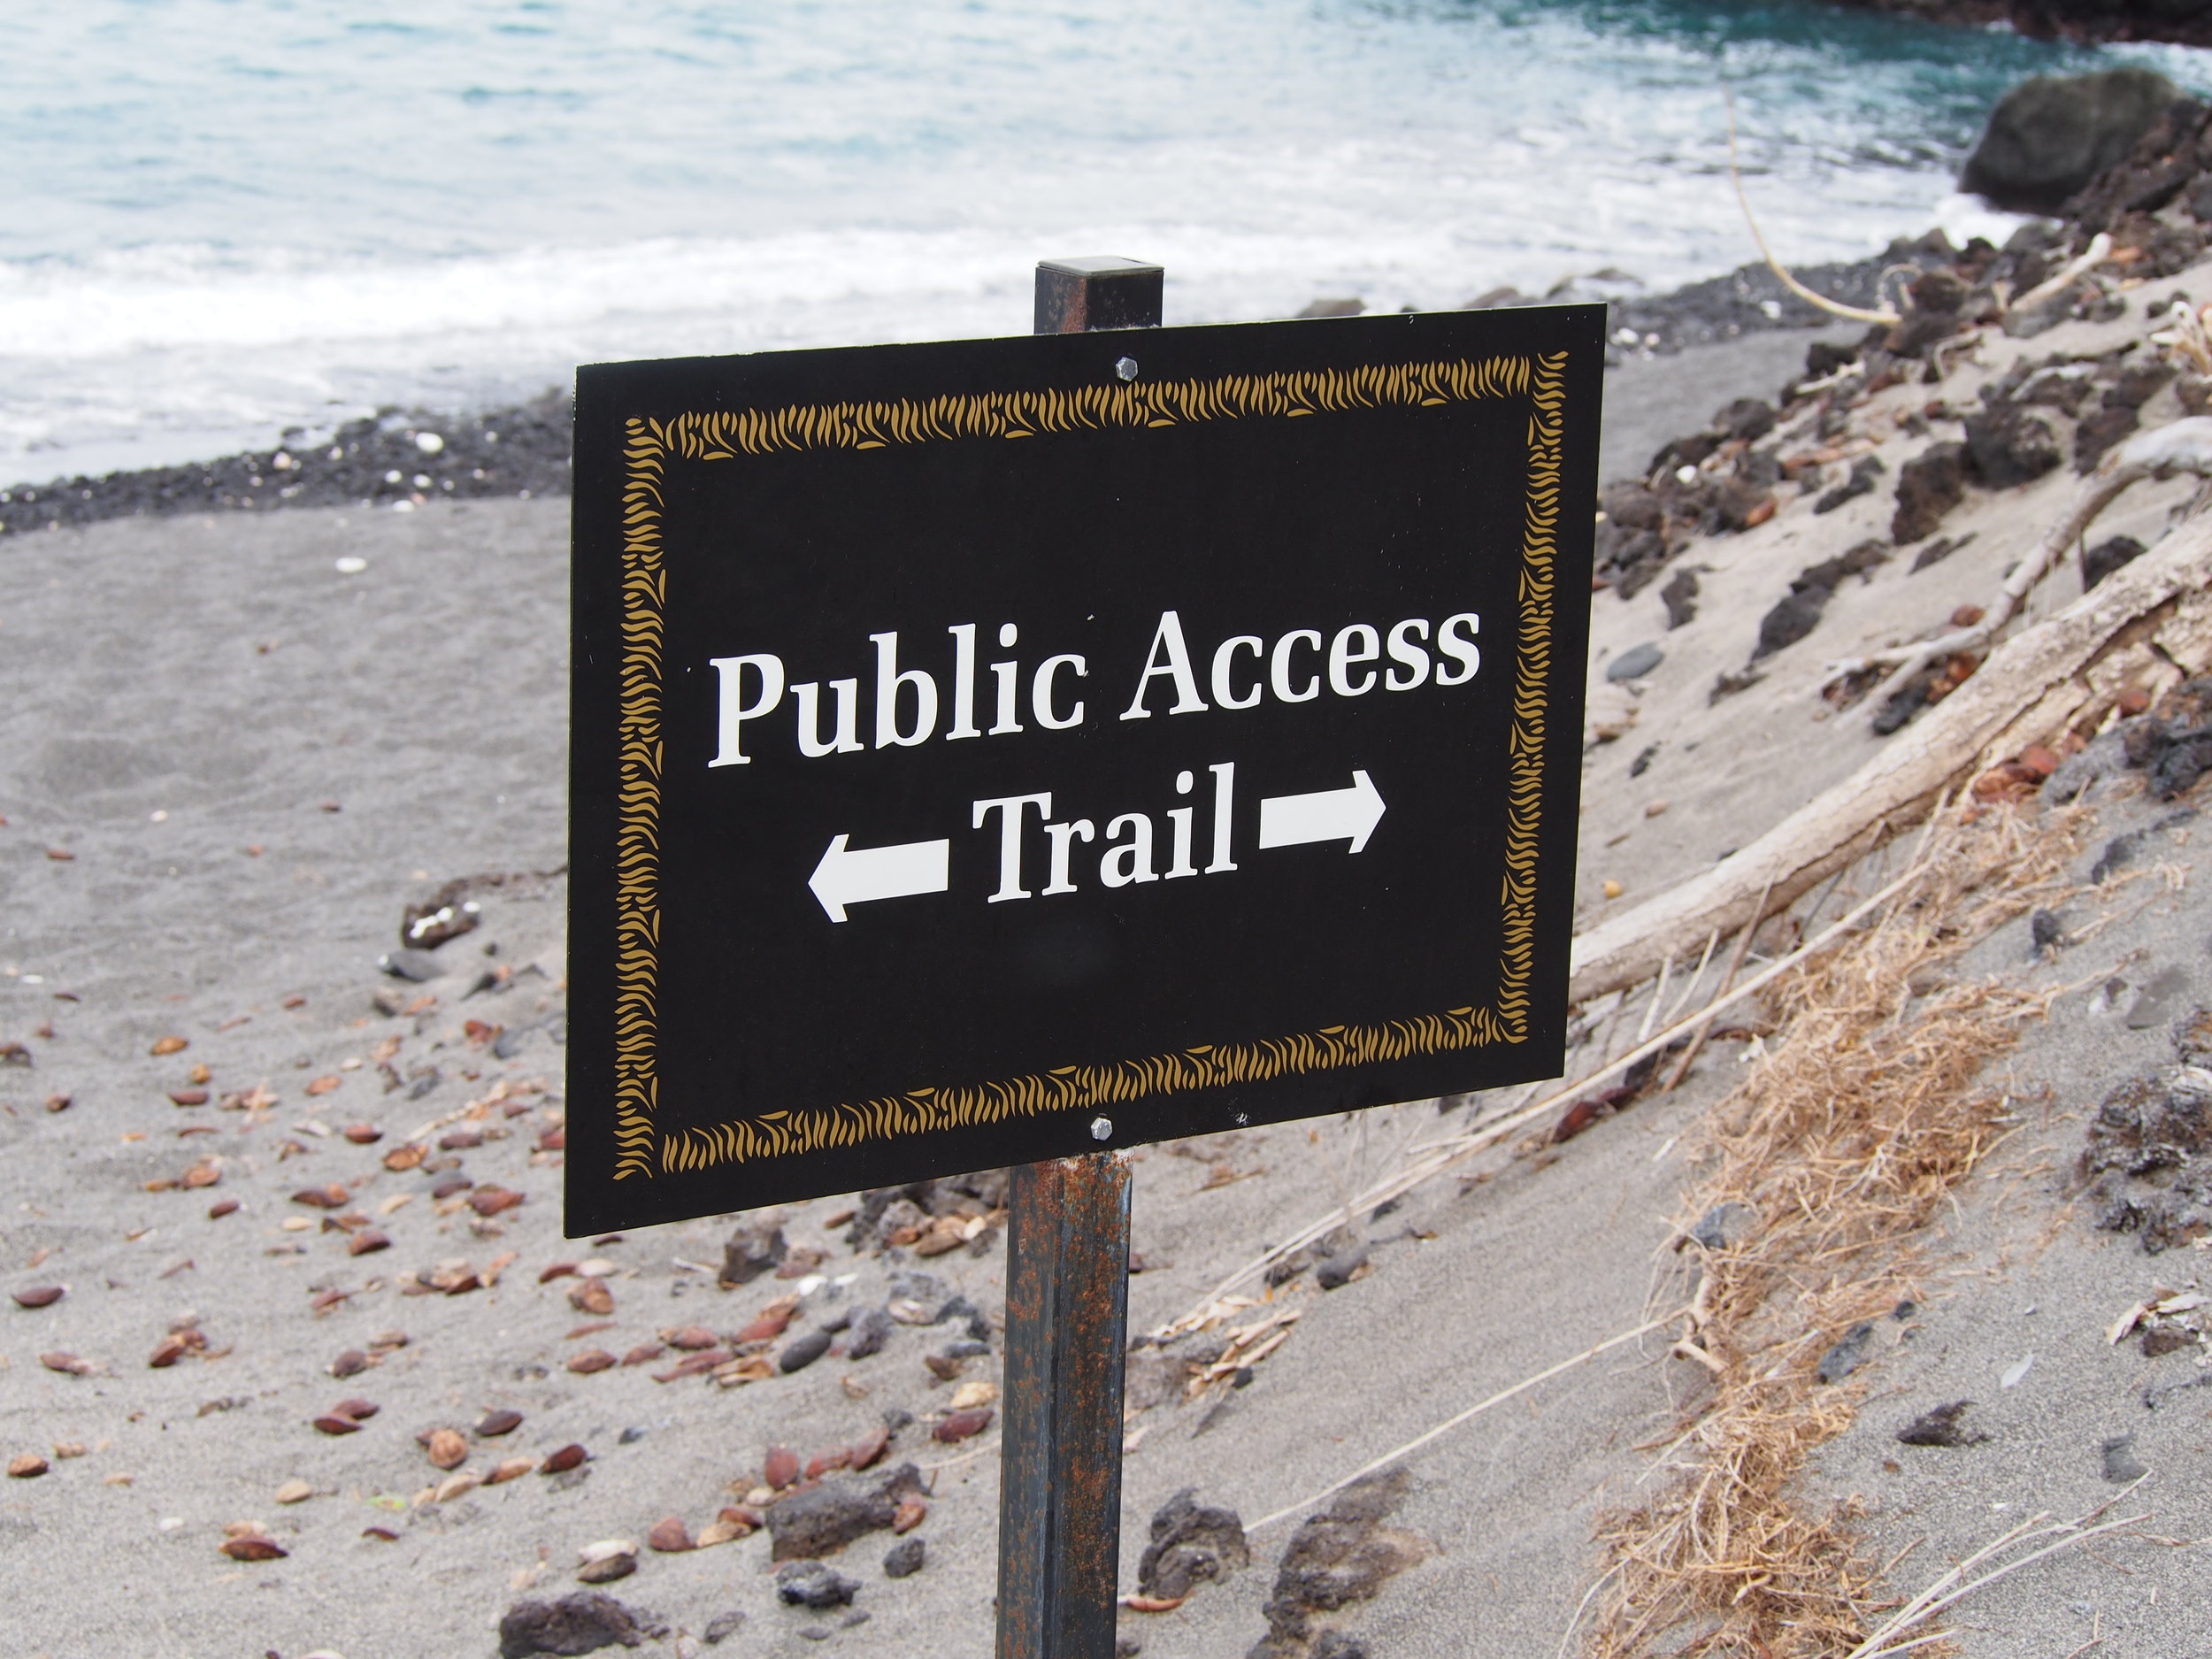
1292, 820
846, 877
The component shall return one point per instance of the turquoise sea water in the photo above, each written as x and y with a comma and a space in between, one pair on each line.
226, 216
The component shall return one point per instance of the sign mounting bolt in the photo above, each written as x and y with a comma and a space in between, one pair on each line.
1102, 1129
1126, 368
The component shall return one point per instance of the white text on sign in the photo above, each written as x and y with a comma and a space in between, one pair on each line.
1241, 672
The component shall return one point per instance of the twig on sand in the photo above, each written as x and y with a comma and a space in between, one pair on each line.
1948, 1589
1468, 1415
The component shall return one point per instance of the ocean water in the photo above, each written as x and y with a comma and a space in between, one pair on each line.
226, 218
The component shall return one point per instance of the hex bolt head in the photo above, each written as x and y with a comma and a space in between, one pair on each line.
1126, 368
1102, 1129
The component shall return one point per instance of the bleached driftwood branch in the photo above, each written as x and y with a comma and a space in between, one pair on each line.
2183, 446
2063, 280
2147, 624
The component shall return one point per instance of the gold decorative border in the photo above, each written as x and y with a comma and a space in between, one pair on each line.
648, 445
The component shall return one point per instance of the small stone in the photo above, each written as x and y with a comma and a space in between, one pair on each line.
971, 1395
446, 1448
1940, 1427
568, 1458
510, 1469
1333, 1272
352, 1363
813, 1584
904, 1559
331, 1424
367, 1242
169, 1045
1635, 662
1848, 1353
295, 1491
2122, 1466
752, 1250
39, 1296
579, 1623
592, 1296
502, 1421
68, 1363
607, 1571
2162, 1339
722, 1626
361, 1134
26, 1466
2158, 999
870, 1329
669, 1536
592, 1360
2046, 931
780, 1468
960, 1424
252, 1547
1725, 1224
693, 1338
222, 1207
910, 1513
802, 1351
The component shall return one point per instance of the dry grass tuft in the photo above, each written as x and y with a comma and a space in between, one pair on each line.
1844, 1142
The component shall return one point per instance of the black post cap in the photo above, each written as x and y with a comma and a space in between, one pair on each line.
1098, 291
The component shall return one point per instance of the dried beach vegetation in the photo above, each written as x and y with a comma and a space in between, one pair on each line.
1821, 1169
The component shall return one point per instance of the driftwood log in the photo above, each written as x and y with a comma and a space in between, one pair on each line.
2147, 625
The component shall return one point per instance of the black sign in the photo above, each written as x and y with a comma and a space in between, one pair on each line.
999, 750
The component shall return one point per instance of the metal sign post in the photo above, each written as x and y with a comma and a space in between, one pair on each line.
1067, 1279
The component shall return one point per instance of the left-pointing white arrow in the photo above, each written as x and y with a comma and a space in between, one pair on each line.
1292, 820
846, 877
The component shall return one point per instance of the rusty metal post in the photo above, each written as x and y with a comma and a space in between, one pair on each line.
1067, 1275
1067, 1317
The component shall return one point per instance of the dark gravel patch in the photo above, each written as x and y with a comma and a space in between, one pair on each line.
393, 456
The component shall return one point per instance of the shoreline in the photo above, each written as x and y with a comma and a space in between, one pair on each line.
402, 458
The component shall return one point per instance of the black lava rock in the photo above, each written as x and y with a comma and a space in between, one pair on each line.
820, 1519
1191, 1543
2009, 445
580, 1623
904, 1559
813, 1584
2051, 135
1940, 1427
871, 1328
1928, 486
